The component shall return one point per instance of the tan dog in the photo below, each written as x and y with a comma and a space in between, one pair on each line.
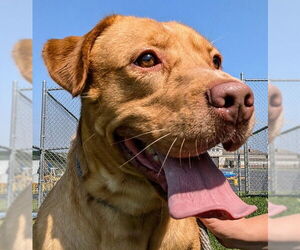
153, 95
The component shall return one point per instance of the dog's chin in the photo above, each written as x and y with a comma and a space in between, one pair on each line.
145, 162
231, 145
237, 139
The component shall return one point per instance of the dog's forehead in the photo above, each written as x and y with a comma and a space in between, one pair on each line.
132, 30
183, 32
128, 36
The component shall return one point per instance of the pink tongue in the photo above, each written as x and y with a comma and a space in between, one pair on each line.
198, 188
274, 209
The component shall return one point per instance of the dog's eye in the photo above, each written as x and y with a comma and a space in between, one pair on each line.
217, 61
147, 60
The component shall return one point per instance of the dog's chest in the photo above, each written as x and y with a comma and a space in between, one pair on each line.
181, 234
139, 241
152, 235
127, 238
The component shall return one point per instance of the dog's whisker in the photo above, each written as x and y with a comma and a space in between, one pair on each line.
145, 149
162, 165
136, 136
213, 42
207, 142
190, 164
180, 151
84, 96
196, 145
90, 137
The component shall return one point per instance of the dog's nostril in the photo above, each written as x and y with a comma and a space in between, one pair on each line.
249, 100
275, 100
229, 101
234, 101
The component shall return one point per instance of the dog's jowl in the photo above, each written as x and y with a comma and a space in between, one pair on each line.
154, 100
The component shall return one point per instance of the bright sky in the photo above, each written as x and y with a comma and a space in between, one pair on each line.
238, 29
15, 24
284, 51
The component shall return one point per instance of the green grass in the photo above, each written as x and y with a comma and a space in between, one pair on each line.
4, 208
34, 205
2, 205
262, 205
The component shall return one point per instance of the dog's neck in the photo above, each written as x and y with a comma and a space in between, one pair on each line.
99, 200
100, 176
129, 203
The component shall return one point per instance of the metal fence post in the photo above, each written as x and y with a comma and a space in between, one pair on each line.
42, 143
242, 77
271, 170
239, 171
246, 159
246, 166
12, 145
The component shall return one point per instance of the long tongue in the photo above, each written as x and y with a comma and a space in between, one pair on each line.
196, 187
274, 209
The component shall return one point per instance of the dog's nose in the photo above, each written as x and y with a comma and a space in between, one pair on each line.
233, 101
275, 102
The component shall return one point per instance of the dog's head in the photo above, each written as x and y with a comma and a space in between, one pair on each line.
159, 86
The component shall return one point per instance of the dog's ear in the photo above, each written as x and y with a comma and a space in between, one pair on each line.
67, 59
22, 54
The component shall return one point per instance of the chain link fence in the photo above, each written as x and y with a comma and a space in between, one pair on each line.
246, 169
60, 114
4, 161
16, 160
285, 163
284, 170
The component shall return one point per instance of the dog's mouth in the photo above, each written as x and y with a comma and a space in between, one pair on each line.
193, 186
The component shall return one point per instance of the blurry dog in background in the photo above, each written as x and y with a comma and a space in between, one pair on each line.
16, 229
275, 112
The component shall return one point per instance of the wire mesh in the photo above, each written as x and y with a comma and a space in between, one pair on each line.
258, 162
60, 114
256, 148
4, 161
286, 163
284, 151
20, 149
246, 169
